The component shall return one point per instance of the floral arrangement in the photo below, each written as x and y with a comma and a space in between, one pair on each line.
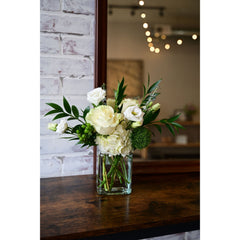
117, 126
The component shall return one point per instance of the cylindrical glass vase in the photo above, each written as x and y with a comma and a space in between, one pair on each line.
114, 174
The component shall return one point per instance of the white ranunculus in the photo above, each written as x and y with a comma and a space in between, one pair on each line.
134, 114
128, 102
103, 119
118, 143
62, 126
96, 95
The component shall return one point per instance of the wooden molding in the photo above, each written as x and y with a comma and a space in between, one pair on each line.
100, 65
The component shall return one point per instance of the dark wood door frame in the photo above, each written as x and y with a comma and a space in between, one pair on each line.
100, 66
100, 76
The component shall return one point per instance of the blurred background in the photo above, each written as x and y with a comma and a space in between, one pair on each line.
162, 39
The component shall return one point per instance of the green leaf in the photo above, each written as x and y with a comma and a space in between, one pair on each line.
55, 106
158, 128
119, 94
144, 90
148, 81
74, 129
75, 111
71, 118
170, 129
177, 125
85, 112
150, 116
153, 87
172, 119
60, 115
52, 112
66, 105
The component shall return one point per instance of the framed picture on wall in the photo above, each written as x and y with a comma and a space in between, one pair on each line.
131, 70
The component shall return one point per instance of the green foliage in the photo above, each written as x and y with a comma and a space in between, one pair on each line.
150, 93
171, 125
119, 95
71, 112
140, 137
84, 132
150, 116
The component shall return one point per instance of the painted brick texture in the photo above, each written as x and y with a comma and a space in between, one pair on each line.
66, 69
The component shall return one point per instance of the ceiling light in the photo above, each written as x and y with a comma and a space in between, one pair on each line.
149, 39
194, 36
167, 46
147, 33
157, 50
141, 3
179, 41
143, 15
145, 25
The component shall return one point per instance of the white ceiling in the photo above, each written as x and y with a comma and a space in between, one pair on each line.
180, 14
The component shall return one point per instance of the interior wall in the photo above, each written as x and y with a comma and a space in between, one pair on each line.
67, 69
179, 67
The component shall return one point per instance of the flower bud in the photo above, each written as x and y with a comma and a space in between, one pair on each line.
52, 126
150, 104
136, 124
155, 107
62, 126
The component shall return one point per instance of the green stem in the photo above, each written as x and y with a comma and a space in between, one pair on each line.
105, 178
122, 164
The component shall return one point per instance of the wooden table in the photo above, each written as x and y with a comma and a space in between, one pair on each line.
160, 204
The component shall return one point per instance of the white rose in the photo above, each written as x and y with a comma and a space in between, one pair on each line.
118, 143
128, 102
96, 95
62, 126
134, 114
103, 119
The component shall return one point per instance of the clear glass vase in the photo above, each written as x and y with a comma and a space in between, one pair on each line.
114, 174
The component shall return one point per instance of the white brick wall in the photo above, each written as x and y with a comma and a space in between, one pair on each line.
66, 69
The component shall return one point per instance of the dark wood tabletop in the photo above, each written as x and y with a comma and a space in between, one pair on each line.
159, 204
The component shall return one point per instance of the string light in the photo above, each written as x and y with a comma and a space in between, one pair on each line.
145, 25
141, 3
150, 44
163, 36
194, 36
152, 49
167, 46
157, 50
147, 33
149, 39
156, 34
179, 41
143, 15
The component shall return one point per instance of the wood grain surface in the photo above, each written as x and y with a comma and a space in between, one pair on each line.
71, 208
